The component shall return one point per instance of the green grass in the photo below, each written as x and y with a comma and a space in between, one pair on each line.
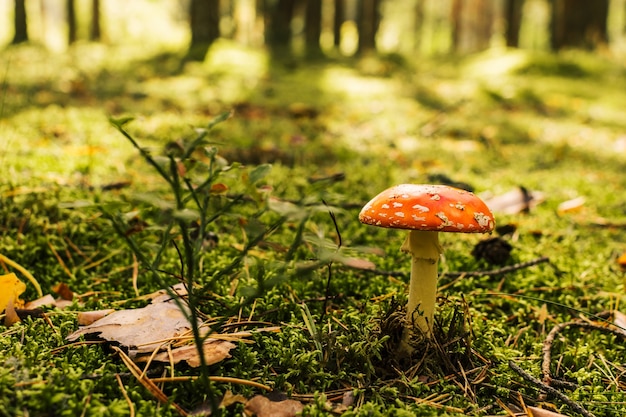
496, 121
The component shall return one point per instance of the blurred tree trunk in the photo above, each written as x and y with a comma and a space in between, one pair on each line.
368, 21
472, 25
313, 28
204, 23
278, 15
21, 28
338, 19
96, 29
513, 18
579, 24
419, 22
71, 21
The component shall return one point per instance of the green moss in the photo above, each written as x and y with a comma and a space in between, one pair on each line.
330, 132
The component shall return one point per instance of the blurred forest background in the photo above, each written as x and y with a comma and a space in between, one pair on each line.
324, 28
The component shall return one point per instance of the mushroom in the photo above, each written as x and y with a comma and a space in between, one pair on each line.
426, 210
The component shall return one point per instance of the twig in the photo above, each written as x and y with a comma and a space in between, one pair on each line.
499, 271
131, 406
550, 390
147, 382
454, 274
547, 344
220, 379
60, 260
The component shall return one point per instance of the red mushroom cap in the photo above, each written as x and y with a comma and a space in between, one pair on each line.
428, 207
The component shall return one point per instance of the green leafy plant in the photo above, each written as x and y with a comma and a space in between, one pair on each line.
192, 201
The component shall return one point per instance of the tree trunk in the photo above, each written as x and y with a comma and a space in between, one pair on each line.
472, 25
71, 22
313, 28
278, 15
204, 23
96, 29
367, 23
579, 24
419, 22
21, 28
338, 19
513, 18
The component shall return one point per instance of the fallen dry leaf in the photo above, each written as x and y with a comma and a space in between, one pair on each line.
86, 318
146, 330
571, 205
163, 295
215, 351
514, 201
619, 319
10, 290
540, 412
230, 399
46, 300
10, 317
141, 330
63, 290
358, 263
261, 406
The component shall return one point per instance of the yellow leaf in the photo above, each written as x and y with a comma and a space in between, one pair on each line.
10, 289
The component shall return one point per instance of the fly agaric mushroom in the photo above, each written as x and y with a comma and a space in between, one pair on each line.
426, 210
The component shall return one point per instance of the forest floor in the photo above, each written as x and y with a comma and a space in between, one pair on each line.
259, 218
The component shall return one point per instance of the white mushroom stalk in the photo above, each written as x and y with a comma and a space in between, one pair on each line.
425, 252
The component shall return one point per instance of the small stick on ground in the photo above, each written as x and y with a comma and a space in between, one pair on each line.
550, 390
454, 274
547, 344
499, 271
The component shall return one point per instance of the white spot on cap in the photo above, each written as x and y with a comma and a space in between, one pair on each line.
435, 197
396, 204
385, 206
399, 214
421, 208
418, 218
482, 219
444, 219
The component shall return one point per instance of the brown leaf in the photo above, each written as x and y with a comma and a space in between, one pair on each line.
219, 188
46, 300
358, 263
10, 317
619, 319
230, 399
215, 350
540, 412
141, 330
63, 290
10, 289
571, 205
86, 318
261, 406
515, 201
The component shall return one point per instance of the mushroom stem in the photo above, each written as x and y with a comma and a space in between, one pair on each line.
425, 251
